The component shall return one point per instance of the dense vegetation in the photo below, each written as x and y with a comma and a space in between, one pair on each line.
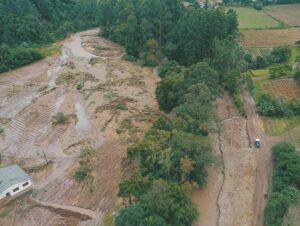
25, 23
150, 28
285, 183
279, 55
262, 2
205, 59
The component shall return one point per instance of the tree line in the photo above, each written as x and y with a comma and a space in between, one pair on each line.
151, 28
25, 23
285, 183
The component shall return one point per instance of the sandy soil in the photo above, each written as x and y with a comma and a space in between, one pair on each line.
109, 104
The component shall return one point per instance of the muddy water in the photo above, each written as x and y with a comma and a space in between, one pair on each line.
83, 125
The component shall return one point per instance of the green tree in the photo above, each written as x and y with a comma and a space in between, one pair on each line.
131, 215
169, 202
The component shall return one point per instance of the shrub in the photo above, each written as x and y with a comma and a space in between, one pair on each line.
278, 71
82, 172
129, 58
149, 63
121, 106
280, 54
59, 118
297, 77
257, 5
169, 68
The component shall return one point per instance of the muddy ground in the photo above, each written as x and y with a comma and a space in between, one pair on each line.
108, 103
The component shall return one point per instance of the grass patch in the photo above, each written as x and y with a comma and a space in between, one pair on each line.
258, 89
48, 49
250, 18
260, 72
279, 126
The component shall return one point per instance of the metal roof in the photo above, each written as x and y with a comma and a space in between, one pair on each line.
11, 175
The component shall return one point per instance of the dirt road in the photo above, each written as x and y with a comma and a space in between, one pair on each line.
108, 102
239, 199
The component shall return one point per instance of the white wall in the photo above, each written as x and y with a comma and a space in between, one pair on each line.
11, 188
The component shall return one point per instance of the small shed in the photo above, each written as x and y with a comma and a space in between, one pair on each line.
13, 180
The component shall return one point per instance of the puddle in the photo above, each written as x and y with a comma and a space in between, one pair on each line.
59, 102
83, 125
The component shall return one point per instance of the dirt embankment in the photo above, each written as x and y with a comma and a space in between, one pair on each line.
108, 102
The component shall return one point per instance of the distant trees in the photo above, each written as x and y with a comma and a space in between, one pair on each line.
11, 58
23, 23
182, 34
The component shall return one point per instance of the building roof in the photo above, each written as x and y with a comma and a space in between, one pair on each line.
11, 175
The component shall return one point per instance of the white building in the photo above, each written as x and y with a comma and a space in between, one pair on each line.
13, 180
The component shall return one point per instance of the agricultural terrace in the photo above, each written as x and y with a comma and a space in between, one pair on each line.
288, 14
250, 18
270, 38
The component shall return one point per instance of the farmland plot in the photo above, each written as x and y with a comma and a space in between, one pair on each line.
270, 38
250, 18
283, 88
289, 14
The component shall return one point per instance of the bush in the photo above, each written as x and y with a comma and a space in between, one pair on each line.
169, 68
11, 58
281, 54
129, 58
297, 77
267, 106
82, 172
59, 118
149, 63
278, 71
121, 106
257, 5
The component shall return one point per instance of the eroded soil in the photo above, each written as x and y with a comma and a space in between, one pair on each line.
108, 102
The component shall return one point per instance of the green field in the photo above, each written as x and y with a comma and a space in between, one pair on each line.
279, 126
260, 72
250, 18
48, 49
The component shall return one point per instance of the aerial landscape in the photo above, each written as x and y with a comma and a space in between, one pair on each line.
149, 113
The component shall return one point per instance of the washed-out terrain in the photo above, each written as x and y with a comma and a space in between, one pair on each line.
108, 103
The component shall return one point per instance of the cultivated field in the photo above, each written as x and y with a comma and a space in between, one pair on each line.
270, 38
283, 88
288, 14
250, 18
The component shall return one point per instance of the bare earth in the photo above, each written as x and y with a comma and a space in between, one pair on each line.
275, 37
90, 84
